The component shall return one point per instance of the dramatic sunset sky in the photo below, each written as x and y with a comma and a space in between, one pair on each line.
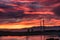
15, 14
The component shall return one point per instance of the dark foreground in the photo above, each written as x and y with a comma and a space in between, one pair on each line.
31, 31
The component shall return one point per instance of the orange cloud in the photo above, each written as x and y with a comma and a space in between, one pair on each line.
31, 23
51, 13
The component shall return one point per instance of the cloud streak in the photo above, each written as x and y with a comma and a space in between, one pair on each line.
28, 13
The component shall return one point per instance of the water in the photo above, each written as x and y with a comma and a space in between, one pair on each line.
35, 37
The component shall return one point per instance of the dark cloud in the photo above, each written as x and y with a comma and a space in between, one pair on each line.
17, 14
10, 10
11, 17
19, 3
56, 11
34, 6
6, 6
9, 20
51, 2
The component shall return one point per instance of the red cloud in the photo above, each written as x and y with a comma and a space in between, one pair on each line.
29, 9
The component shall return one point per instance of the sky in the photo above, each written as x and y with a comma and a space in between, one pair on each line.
16, 14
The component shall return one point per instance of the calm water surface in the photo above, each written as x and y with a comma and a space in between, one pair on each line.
38, 37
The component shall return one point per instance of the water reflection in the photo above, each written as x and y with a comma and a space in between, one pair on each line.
36, 37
